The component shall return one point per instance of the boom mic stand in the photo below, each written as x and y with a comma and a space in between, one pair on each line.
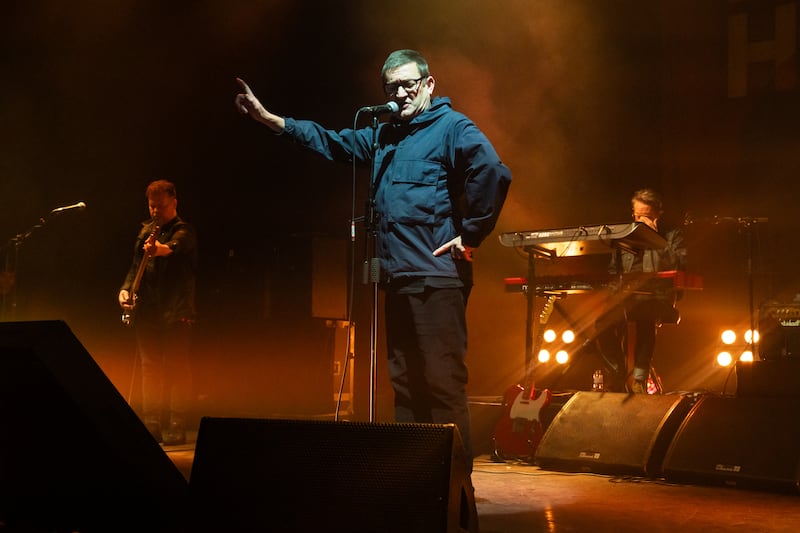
8, 289
744, 224
8, 285
747, 223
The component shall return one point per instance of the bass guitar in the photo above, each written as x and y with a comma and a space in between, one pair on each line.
127, 313
518, 432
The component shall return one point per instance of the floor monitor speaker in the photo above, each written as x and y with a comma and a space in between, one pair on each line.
612, 433
73, 455
320, 475
750, 442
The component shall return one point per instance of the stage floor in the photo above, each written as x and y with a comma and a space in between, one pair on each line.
522, 498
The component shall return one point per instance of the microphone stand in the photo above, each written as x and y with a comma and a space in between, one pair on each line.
8, 285
747, 223
371, 273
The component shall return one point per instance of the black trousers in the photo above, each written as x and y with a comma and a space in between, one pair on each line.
426, 337
612, 330
166, 370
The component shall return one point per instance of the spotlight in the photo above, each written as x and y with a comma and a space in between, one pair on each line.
568, 336
728, 336
732, 345
549, 335
562, 357
724, 359
544, 356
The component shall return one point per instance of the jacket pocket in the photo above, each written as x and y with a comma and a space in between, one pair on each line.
413, 192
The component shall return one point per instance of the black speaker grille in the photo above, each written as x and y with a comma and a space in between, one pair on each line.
308, 475
745, 442
612, 433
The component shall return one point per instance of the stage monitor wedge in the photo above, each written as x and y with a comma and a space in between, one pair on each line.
73, 455
612, 433
745, 442
319, 475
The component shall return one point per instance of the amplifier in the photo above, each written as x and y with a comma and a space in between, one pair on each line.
779, 329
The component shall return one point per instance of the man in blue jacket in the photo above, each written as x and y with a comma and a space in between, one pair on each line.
439, 186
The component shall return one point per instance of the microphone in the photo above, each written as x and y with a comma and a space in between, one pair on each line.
388, 107
79, 205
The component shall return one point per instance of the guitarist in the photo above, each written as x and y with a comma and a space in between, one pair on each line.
162, 311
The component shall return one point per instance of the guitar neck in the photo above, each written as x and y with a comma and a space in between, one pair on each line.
544, 317
137, 281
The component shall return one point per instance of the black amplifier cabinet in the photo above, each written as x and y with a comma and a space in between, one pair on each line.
779, 329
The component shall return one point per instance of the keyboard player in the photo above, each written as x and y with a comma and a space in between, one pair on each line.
645, 305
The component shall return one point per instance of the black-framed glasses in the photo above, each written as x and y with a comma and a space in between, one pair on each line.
409, 85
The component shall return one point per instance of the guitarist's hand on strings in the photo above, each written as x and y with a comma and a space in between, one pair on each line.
157, 249
457, 248
151, 248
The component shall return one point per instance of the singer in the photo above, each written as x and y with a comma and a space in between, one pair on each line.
439, 190
162, 311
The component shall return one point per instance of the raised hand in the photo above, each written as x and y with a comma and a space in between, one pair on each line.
247, 104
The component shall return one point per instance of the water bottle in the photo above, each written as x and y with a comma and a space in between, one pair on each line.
597, 381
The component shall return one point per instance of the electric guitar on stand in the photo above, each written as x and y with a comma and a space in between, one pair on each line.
519, 430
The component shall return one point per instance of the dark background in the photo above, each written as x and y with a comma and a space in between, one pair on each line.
585, 101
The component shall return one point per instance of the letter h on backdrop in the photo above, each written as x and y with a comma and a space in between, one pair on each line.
746, 53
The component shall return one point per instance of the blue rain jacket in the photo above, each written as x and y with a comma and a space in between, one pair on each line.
436, 177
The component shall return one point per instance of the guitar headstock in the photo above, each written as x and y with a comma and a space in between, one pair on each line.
547, 310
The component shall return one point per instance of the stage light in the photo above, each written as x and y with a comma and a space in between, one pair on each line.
543, 356
555, 340
728, 336
724, 359
735, 349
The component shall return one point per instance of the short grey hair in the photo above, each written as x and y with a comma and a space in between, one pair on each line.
398, 58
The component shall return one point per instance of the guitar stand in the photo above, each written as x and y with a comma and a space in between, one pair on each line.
530, 295
519, 430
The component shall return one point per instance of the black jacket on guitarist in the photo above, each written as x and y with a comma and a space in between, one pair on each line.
167, 291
